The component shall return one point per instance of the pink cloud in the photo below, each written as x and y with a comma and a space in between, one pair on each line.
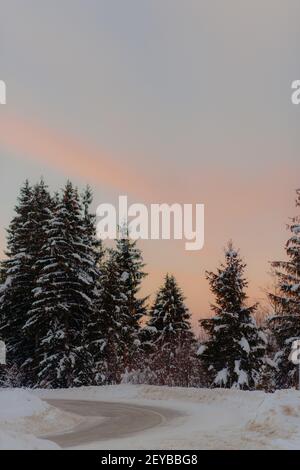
69, 155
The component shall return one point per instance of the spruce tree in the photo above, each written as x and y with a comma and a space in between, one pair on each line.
112, 319
26, 237
233, 354
170, 341
40, 214
64, 297
285, 324
17, 279
96, 334
129, 266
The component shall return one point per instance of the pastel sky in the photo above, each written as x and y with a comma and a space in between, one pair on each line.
166, 101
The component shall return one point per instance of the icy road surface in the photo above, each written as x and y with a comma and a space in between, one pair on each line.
107, 420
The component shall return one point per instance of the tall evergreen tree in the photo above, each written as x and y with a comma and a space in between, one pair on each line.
64, 297
233, 354
129, 266
18, 279
109, 347
41, 212
96, 335
25, 239
285, 324
171, 342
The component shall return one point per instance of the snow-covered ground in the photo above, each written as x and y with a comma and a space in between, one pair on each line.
211, 419
23, 416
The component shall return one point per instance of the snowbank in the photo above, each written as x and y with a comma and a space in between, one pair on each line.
19, 441
24, 415
16, 403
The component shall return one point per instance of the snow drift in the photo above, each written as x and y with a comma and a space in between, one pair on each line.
24, 415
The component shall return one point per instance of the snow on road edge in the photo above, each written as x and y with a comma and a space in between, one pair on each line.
23, 415
214, 419
211, 419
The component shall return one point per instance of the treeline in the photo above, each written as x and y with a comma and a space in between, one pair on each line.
71, 313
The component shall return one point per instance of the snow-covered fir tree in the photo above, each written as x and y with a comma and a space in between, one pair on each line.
15, 291
285, 324
130, 271
109, 347
25, 240
42, 207
64, 297
169, 337
233, 355
97, 331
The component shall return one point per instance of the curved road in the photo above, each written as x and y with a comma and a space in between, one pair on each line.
107, 420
